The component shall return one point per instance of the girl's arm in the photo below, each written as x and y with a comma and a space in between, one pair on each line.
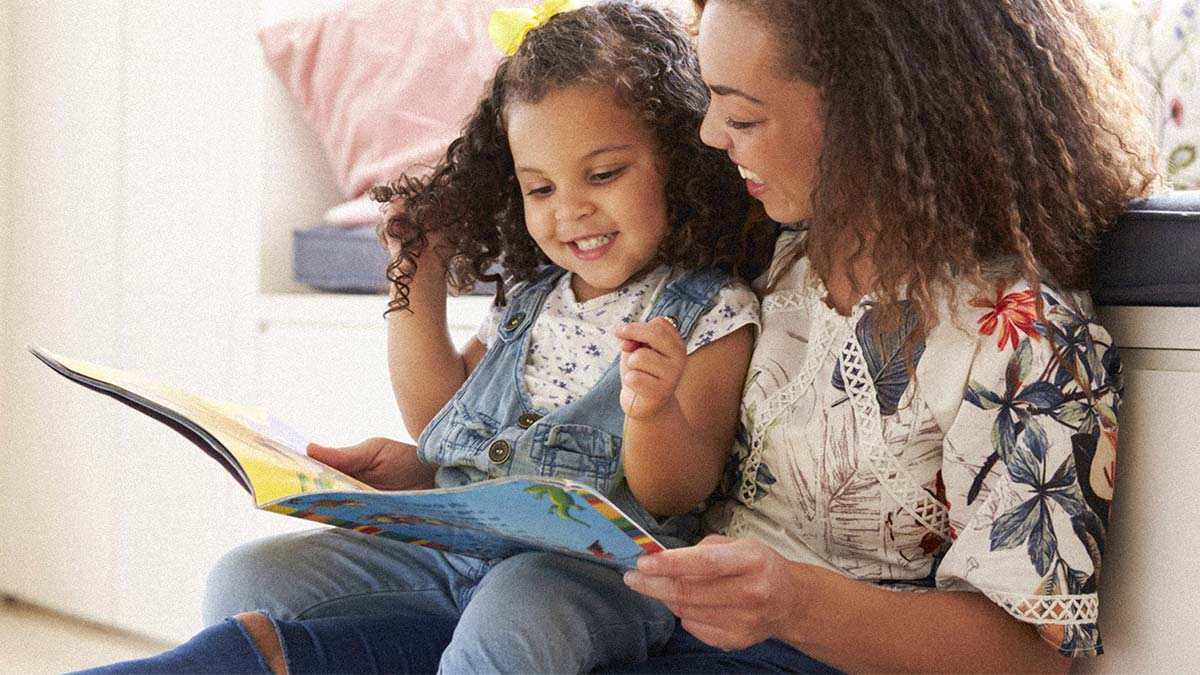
681, 412
732, 593
425, 367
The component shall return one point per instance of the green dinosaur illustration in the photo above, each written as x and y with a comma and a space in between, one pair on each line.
561, 501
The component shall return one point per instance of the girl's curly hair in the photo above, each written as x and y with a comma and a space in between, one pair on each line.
958, 132
471, 201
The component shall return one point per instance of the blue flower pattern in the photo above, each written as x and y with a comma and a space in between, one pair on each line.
1030, 401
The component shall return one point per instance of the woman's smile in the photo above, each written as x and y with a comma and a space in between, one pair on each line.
754, 183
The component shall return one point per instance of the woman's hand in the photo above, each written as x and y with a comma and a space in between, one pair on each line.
653, 356
730, 593
379, 462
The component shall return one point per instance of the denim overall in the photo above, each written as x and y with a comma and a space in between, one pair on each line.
490, 429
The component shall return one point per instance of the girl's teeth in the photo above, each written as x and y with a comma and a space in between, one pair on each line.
750, 175
593, 242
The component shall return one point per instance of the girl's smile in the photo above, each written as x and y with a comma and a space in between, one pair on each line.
593, 248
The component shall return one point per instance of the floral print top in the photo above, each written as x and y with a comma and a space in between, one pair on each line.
572, 343
990, 471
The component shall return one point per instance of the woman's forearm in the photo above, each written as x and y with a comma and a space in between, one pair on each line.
736, 592
858, 627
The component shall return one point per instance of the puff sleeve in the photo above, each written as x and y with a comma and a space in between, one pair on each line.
1029, 462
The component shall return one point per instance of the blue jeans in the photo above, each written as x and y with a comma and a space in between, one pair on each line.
533, 612
403, 644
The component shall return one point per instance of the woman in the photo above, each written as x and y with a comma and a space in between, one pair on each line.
911, 415
931, 403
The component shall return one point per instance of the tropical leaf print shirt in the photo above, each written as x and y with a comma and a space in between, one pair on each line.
991, 471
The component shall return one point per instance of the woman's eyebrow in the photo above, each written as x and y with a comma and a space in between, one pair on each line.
722, 90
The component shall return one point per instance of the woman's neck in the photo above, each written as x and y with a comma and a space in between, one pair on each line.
842, 292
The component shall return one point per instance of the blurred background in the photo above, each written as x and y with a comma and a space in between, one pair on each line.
162, 169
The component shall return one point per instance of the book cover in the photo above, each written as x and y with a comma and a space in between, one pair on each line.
490, 519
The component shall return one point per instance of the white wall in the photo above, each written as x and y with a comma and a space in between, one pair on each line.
134, 163
6, 133
60, 290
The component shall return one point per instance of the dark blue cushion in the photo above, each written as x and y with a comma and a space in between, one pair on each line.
340, 259
346, 260
1151, 255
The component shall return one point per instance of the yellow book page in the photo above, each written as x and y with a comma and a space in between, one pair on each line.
275, 465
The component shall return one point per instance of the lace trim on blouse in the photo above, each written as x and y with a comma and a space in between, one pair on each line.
1064, 610
828, 327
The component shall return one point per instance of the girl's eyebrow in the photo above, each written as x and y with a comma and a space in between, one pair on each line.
608, 148
722, 90
598, 151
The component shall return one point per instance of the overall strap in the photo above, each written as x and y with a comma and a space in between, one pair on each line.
687, 298
524, 306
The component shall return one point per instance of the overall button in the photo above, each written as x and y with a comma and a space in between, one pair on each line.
526, 420
672, 320
500, 452
515, 320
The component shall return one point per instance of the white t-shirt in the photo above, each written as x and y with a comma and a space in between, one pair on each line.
572, 342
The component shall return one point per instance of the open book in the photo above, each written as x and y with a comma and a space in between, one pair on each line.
490, 519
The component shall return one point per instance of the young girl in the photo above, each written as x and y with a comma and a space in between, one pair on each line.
616, 359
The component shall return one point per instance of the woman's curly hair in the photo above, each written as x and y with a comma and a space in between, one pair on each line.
471, 203
958, 132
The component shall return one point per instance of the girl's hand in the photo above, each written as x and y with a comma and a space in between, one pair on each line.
653, 356
729, 593
379, 462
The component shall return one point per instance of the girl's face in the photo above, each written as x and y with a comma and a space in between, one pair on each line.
594, 190
770, 125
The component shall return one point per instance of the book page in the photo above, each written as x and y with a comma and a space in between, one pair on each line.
269, 454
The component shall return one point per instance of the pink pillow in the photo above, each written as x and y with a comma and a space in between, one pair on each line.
385, 84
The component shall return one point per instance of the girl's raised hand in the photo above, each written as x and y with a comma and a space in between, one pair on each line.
653, 356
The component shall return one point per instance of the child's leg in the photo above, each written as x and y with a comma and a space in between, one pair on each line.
548, 613
330, 572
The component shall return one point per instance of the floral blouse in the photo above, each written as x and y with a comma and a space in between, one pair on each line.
990, 471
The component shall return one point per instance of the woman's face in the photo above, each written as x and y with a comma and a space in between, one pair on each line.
771, 125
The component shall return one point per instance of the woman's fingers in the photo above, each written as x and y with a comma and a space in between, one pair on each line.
726, 592
714, 556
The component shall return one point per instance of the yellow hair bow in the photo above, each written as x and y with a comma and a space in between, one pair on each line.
509, 27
